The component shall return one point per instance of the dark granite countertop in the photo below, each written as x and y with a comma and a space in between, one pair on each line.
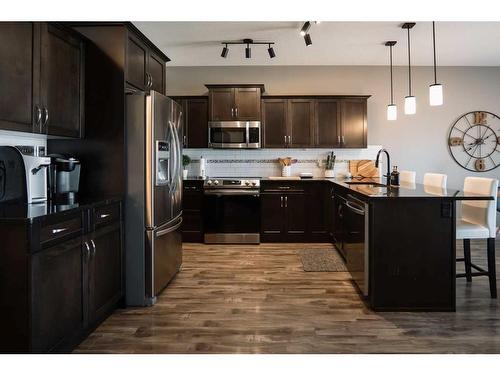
23, 211
372, 188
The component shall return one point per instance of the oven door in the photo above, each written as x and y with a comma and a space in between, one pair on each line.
232, 216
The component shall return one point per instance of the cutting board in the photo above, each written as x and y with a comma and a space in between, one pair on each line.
365, 168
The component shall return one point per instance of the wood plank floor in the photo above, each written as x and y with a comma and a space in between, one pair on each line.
257, 299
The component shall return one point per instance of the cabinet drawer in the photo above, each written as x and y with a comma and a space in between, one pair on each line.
107, 214
62, 229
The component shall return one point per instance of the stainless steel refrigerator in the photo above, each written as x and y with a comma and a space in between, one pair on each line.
153, 208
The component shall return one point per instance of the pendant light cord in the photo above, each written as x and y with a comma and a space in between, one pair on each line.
392, 91
434, 46
409, 64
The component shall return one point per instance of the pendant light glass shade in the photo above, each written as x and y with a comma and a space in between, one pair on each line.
410, 105
436, 94
392, 112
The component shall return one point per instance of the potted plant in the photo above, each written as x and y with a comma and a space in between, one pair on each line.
186, 160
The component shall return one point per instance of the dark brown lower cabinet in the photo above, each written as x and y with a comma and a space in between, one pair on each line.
318, 211
57, 282
192, 211
61, 276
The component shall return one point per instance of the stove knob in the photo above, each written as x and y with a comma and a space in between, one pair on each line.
247, 183
254, 183
216, 182
209, 182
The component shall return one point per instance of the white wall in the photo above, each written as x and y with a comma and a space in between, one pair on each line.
415, 142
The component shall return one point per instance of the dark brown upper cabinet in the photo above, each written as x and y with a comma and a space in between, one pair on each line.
234, 102
195, 121
62, 84
300, 122
19, 80
354, 123
327, 123
145, 67
42, 75
274, 122
308, 121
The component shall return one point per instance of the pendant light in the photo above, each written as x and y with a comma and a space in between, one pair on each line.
410, 100
436, 89
392, 109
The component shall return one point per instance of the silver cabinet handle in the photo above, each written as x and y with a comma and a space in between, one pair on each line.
184, 141
59, 230
281, 201
285, 140
236, 111
87, 252
338, 139
93, 246
289, 139
232, 112
150, 80
286, 201
102, 216
38, 111
46, 118
343, 140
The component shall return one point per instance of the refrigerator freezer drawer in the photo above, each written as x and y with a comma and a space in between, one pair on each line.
164, 252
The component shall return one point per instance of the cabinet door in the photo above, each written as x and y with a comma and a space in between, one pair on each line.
271, 219
327, 123
247, 103
338, 223
105, 281
137, 54
354, 123
318, 202
57, 284
221, 101
61, 81
274, 121
156, 70
196, 123
295, 213
300, 122
18, 84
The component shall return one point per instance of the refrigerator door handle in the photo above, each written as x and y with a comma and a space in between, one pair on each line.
173, 177
169, 230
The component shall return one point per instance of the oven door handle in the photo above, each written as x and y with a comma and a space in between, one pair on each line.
220, 192
352, 207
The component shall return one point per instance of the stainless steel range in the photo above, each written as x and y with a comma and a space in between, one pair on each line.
232, 210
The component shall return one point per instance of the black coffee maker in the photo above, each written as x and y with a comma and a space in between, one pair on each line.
64, 178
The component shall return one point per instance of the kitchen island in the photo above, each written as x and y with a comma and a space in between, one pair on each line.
398, 242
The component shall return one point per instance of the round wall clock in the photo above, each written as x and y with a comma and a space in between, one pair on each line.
474, 141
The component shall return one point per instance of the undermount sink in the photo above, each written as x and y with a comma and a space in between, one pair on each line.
366, 183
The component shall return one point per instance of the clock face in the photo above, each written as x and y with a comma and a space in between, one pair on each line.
474, 141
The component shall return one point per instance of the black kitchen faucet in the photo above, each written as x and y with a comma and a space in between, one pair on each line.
388, 175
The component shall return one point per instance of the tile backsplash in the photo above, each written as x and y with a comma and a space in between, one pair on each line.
264, 162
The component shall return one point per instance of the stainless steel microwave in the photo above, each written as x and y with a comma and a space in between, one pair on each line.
234, 134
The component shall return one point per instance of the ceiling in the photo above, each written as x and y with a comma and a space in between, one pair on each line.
334, 43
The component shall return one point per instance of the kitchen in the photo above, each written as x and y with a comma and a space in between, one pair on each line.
287, 231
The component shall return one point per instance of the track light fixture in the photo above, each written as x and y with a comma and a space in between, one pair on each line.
307, 39
248, 49
225, 50
410, 100
270, 50
305, 28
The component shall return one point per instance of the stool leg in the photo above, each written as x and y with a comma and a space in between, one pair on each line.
492, 274
467, 260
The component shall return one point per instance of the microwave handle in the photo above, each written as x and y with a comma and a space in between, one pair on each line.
247, 130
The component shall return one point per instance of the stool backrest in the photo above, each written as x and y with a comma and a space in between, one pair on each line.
481, 212
435, 179
407, 176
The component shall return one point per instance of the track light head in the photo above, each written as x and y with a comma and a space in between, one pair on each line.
248, 52
225, 51
307, 39
305, 28
270, 50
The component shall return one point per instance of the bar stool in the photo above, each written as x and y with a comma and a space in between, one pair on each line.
407, 176
436, 180
478, 221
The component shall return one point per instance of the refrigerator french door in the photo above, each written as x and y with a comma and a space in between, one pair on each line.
154, 195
